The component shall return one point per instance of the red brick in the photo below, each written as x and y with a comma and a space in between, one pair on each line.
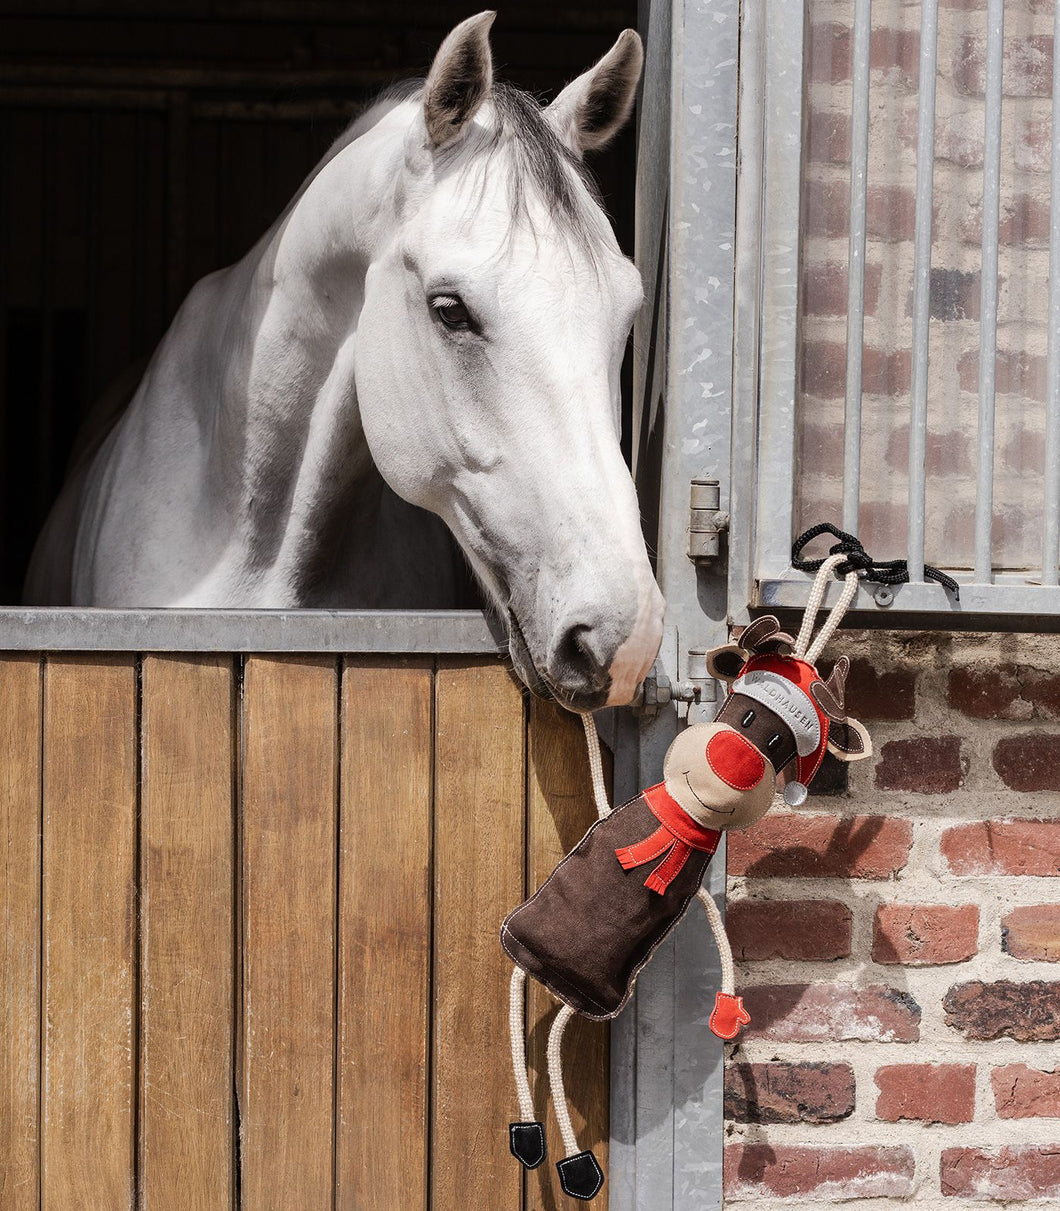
987, 691
890, 210
924, 765
829, 52
788, 929
883, 372
790, 1170
1042, 690
899, 49
873, 693
831, 46
1003, 847
1029, 763
1028, 1013
1024, 222
1025, 1172
1028, 70
1032, 932
828, 138
785, 844
1017, 373
929, 1093
919, 935
946, 453
824, 289
1032, 145
798, 1013
788, 1093
1024, 1092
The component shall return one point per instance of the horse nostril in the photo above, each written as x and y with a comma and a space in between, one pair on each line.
577, 656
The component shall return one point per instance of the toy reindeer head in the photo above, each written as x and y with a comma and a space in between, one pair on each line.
778, 720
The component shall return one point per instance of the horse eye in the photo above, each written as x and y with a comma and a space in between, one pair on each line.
451, 311
773, 740
748, 719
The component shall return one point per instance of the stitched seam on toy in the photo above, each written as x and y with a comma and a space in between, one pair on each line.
549, 984
739, 786
642, 861
595, 824
540, 1135
674, 817
599, 1174
676, 921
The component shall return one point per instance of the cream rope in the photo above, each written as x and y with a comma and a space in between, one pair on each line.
804, 649
721, 939
518, 1033
555, 1079
596, 765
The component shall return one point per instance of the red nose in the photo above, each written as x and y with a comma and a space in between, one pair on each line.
735, 760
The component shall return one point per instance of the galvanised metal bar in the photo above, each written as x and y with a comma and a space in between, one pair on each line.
925, 167
984, 496
859, 163
1009, 593
1051, 527
779, 341
459, 632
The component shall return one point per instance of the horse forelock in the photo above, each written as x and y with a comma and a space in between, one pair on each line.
539, 163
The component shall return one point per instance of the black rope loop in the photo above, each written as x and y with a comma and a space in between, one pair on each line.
891, 571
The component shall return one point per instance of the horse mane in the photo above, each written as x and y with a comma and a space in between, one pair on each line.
541, 162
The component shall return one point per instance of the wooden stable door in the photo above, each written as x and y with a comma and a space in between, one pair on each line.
249, 938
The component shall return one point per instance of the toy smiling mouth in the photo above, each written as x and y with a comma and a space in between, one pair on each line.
718, 811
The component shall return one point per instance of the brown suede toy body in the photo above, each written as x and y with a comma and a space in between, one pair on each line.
593, 925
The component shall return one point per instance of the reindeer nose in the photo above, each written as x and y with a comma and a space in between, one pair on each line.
735, 760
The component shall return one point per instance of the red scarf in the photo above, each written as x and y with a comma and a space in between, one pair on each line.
676, 837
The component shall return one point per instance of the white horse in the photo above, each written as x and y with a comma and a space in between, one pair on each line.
436, 322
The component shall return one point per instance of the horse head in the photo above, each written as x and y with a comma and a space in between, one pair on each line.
488, 349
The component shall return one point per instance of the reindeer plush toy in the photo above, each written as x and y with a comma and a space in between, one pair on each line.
595, 922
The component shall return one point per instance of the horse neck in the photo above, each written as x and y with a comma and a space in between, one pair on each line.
288, 438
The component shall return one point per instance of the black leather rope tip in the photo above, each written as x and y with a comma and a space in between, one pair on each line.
891, 571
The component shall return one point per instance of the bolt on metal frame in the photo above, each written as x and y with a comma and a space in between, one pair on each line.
768, 235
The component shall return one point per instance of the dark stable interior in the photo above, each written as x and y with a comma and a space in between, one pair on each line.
147, 142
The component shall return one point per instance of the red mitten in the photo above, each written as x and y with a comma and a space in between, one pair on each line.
728, 1016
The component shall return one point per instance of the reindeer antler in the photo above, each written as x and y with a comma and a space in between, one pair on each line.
764, 635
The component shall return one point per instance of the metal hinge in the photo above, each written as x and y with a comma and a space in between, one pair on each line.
706, 522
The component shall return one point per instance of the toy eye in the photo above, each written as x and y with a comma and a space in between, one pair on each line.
748, 719
773, 741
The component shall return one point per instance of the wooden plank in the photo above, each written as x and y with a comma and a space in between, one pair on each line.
89, 963
187, 981
290, 769
478, 877
560, 809
20, 744
384, 934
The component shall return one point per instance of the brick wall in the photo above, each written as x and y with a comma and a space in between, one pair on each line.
898, 944
955, 279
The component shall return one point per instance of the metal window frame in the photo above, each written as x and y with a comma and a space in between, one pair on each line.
772, 121
391, 632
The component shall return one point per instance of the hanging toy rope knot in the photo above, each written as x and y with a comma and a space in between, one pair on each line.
891, 571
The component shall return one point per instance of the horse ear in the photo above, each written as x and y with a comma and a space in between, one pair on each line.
594, 108
460, 79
